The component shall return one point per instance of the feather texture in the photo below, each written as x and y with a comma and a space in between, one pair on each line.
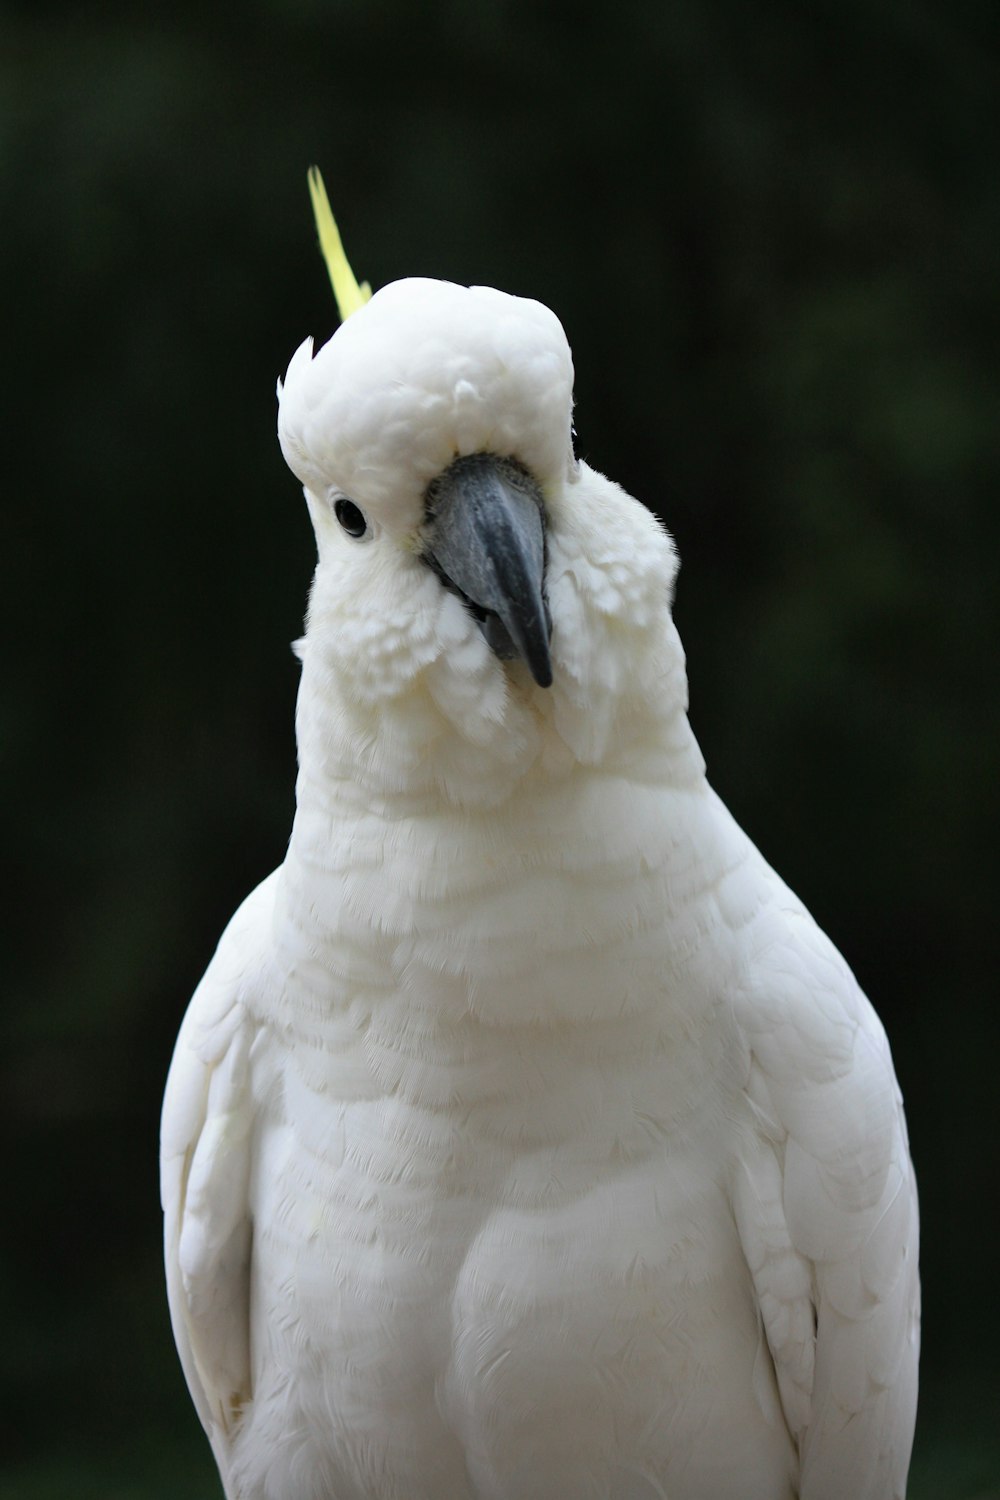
525, 1138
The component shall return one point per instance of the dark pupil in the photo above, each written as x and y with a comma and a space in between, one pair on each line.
350, 518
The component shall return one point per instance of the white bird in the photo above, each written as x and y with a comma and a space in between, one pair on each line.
525, 1138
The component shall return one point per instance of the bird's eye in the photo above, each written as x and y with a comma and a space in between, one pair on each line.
350, 517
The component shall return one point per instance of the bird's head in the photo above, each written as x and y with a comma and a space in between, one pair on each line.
428, 432
483, 602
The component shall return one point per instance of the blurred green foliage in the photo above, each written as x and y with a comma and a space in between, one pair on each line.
773, 235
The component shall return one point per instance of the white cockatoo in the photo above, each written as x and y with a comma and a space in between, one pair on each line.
525, 1139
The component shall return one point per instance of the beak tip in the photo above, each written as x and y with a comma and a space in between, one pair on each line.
542, 673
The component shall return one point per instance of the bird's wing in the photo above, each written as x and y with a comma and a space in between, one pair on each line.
205, 1146
826, 1207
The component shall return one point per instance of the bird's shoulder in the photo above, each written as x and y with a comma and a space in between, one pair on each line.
826, 1205
205, 1143
819, 1069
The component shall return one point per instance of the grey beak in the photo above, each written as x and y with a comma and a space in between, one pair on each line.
485, 536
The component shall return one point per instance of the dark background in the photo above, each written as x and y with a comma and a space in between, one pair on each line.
771, 231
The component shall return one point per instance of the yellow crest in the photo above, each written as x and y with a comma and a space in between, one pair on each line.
350, 296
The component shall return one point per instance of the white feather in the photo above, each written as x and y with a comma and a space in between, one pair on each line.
525, 1137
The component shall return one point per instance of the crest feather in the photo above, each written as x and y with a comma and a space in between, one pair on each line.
350, 296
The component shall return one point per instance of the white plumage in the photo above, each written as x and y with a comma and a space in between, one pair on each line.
525, 1139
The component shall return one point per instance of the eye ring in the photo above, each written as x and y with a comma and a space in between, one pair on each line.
351, 517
